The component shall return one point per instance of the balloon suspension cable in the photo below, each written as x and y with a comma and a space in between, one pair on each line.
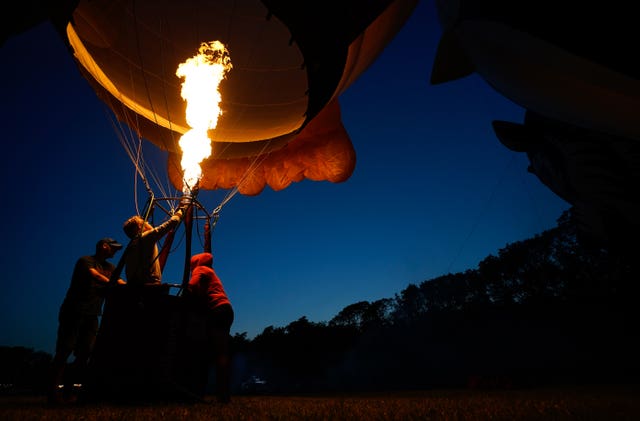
135, 157
140, 172
215, 215
162, 256
207, 235
148, 209
146, 185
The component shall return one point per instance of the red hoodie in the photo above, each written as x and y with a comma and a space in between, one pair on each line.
205, 282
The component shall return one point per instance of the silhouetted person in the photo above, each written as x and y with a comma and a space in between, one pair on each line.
78, 319
141, 260
207, 291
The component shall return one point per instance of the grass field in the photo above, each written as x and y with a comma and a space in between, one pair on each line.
583, 403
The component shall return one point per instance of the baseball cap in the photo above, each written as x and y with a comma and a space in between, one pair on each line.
112, 242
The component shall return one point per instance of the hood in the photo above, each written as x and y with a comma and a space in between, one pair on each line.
201, 259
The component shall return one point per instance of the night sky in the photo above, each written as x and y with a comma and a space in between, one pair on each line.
433, 192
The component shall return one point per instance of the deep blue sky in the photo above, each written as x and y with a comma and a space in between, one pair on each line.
433, 192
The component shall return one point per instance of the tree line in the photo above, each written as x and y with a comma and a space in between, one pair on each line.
555, 308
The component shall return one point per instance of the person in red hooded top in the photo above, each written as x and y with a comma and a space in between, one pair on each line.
205, 287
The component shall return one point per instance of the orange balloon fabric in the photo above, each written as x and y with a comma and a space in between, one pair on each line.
280, 120
322, 151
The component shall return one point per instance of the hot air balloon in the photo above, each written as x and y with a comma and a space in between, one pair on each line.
280, 119
280, 123
570, 62
571, 67
597, 173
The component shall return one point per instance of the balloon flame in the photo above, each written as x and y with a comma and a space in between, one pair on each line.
202, 75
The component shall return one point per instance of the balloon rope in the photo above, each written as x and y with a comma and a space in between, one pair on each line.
255, 163
153, 174
482, 211
136, 158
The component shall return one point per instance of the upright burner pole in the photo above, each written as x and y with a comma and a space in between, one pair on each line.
187, 204
207, 236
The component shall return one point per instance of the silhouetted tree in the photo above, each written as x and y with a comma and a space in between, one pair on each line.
377, 314
23, 369
409, 305
351, 316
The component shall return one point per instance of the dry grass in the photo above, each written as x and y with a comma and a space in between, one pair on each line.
601, 403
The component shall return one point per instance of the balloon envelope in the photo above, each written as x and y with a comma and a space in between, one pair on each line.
568, 61
280, 112
595, 172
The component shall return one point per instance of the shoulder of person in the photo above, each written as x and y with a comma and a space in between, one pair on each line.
86, 260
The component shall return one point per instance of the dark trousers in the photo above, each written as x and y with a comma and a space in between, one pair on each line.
219, 321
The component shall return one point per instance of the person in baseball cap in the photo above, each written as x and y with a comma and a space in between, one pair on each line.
78, 320
110, 241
